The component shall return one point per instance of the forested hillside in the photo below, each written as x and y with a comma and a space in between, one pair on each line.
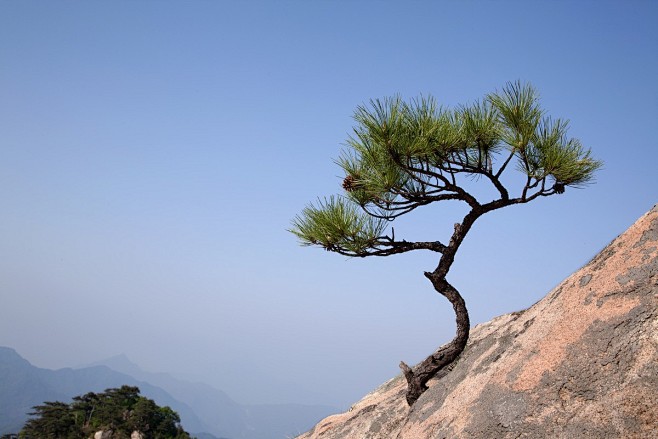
122, 411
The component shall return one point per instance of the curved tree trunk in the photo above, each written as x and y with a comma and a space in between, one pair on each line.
418, 377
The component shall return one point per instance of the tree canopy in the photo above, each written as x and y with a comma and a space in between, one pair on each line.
404, 155
121, 410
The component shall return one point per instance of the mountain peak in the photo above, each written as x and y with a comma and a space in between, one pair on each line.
120, 363
10, 356
581, 362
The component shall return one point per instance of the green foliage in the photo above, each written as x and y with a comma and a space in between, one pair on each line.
551, 153
55, 420
403, 155
337, 224
121, 410
518, 113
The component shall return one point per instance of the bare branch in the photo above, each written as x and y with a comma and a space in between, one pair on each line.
504, 165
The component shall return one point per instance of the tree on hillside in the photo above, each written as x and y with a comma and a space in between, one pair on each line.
121, 410
405, 155
53, 420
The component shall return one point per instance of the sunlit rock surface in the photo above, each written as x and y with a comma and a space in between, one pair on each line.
580, 363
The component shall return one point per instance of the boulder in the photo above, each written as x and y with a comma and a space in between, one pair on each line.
580, 363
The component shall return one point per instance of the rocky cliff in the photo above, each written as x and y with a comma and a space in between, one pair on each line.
580, 363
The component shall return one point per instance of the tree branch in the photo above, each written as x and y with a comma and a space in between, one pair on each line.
460, 193
504, 165
393, 247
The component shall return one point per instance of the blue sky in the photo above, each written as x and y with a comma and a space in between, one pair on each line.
153, 154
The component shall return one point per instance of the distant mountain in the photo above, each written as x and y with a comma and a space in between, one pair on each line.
223, 416
206, 412
23, 386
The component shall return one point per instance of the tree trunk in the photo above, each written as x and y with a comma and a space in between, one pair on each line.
418, 377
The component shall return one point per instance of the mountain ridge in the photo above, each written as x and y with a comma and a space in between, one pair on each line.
23, 385
205, 411
221, 414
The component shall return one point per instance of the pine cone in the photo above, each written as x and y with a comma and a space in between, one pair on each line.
349, 183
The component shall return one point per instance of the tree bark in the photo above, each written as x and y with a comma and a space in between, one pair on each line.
418, 377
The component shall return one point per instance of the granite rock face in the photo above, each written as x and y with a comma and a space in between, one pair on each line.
580, 363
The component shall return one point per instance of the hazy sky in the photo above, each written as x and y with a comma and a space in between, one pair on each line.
153, 153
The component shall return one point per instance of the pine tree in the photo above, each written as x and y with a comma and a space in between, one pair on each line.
53, 420
405, 155
121, 410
